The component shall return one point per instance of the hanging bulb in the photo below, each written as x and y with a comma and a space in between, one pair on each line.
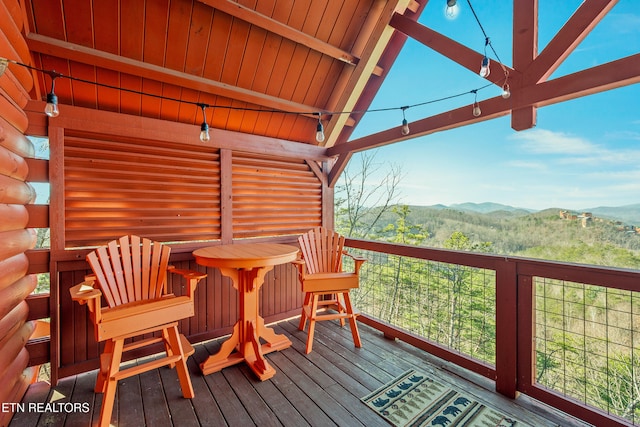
405, 125
451, 10
506, 92
319, 130
204, 132
476, 110
51, 109
485, 70
4, 62
204, 127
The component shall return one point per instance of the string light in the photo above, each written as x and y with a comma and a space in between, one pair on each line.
320, 129
506, 90
476, 107
3, 65
51, 109
52, 102
405, 125
204, 127
485, 68
451, 9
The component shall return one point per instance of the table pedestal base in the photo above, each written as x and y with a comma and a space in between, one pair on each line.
248, 331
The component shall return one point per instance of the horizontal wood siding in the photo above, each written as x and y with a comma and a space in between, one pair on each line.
156, 189
274, 197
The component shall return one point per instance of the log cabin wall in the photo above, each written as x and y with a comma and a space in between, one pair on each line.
113, 174
16, 238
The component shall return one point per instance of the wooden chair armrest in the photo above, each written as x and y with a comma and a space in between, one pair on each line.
192, 276
358, 261
84, 292
301, 266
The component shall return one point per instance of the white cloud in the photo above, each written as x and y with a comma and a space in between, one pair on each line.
542, 141
572, 149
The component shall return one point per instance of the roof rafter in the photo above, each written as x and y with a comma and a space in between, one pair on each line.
622, 72
86, 55
453, 50
574, 31
355, 80
252, 17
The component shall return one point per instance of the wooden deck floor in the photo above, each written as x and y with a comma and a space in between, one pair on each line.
320, 389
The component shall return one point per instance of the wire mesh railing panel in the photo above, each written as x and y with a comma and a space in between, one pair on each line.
588, 344
448, 304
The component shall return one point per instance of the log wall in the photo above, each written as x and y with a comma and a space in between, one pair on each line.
15, 238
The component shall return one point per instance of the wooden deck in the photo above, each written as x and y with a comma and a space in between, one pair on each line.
320, 389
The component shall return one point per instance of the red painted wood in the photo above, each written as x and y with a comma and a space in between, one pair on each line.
13, 114
16, 242
13, 268
12, 165
14, 217
15, 294
14, 140
16, 191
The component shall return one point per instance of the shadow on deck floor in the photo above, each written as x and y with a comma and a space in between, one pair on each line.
322, 388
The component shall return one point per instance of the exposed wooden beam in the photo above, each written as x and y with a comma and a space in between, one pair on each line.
337, 168
615, 74
525, 50
574, 31
255, 18
612, 75
85, 55
491, 109
453, 50
374, 43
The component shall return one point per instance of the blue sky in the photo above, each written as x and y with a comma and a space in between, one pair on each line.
582, 153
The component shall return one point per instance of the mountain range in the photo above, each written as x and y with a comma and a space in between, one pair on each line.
628, 214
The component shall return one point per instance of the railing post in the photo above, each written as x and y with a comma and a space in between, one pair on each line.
506, 328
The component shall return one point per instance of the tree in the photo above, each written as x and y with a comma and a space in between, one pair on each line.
362, 198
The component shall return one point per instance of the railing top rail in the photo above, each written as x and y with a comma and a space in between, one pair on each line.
612, 277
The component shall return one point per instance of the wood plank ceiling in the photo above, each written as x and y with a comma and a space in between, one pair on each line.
244, 58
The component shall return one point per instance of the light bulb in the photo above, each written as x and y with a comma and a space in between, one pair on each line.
476, 110
506, 92
51, 109
451, 10
405, 127
485, 70
4, 62
204, 132
319, 132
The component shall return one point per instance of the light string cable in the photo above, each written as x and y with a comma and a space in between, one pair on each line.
484, 72
314, 113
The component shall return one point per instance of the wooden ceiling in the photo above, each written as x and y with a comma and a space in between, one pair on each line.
256, 62
245, 58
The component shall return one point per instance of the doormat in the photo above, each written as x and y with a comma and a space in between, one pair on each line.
416, 399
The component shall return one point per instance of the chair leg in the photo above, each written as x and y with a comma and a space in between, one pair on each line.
111, 382
103, 371
181, 365
312, 322
341, 307
353, 323
167, 346
303, 316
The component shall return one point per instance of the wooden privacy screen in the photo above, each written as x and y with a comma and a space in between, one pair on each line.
274, 197
160, 190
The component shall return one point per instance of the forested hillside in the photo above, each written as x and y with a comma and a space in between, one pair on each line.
518, 232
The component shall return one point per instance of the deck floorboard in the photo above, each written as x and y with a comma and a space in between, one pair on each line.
322, 388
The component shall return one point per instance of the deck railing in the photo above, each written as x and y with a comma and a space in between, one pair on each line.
565, 334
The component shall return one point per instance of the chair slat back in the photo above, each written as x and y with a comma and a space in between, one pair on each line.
322, 250
130, 269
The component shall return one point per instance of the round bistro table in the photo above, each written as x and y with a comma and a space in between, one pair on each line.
246, 265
